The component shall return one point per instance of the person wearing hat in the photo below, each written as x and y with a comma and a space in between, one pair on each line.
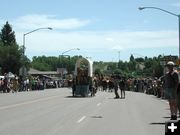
171, 82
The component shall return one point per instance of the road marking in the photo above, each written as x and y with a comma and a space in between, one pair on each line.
81, 119
98, 104
25, 103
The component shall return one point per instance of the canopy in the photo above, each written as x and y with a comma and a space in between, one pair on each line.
90, 66
10, 75
1, 77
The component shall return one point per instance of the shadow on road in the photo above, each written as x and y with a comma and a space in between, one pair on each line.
157, 123
97, 117
116, 98
77, 97
167, 117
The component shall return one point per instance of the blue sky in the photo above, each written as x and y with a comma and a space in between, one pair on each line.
100, 28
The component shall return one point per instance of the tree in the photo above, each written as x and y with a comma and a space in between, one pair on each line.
44, 63
98, 72
10, 53
139, 59
132, 66
10, 59
7, 36
131, 58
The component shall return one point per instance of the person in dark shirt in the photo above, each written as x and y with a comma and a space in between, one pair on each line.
122, 87
171, 82
116, 84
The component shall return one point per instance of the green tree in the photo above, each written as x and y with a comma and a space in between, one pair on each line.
10, 52
98, 72
7, 35
10, 59
131, 58
51, 63
41, 63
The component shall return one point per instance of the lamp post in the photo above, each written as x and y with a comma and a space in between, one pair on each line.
24, 35
23, 69
141, 8
66, 55
69, 50
119, 48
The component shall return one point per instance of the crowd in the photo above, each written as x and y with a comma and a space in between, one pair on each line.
165, 87
17, 84
145, 85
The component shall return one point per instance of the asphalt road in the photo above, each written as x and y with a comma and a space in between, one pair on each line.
55, 112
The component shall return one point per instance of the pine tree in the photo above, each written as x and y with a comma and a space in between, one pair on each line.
10, 52
7, 36
131, 58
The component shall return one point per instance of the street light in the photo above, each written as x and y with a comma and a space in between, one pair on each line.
23, 69
29, 33
66, 52
69, 50
141, 8
119, 48
61, 58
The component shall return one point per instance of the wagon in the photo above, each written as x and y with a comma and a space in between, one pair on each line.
82, 80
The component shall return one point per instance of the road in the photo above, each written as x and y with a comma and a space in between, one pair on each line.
55, 112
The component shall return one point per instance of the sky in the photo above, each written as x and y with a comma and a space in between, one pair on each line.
103, 30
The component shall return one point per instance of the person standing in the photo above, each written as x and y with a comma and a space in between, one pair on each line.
15, 84
73, 86
122, 87
5, 83
171, 82
116, 84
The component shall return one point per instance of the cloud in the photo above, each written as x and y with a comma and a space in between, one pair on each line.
144, 39
86, 40
93, 40
35, 21
91, 43
100, 45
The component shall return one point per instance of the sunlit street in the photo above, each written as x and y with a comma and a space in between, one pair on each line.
55, 112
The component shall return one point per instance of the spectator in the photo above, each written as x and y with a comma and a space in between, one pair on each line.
5, 83
116, 83
122, 87
1, 84
171, 85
